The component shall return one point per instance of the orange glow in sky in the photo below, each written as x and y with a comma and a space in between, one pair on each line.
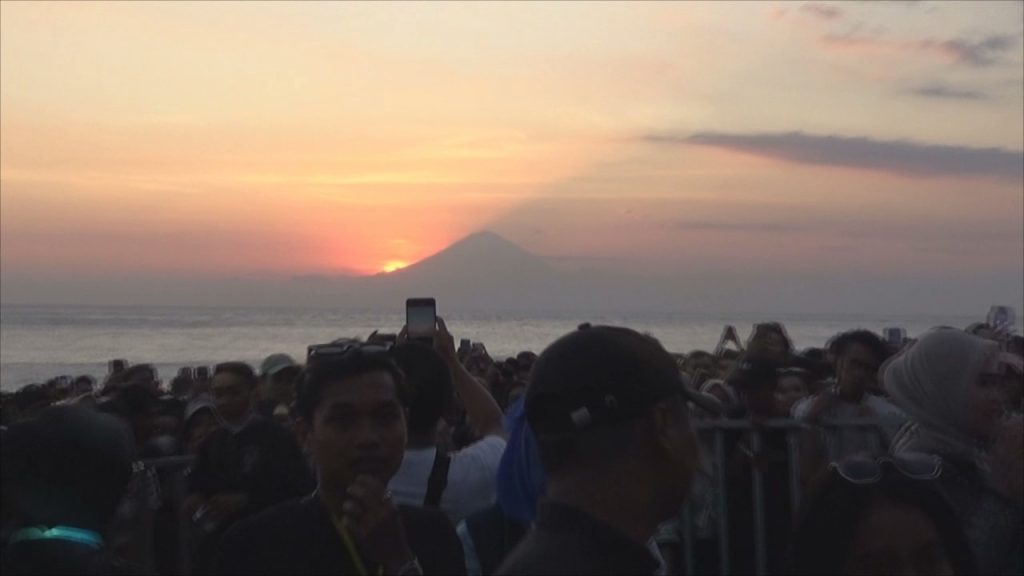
225, 139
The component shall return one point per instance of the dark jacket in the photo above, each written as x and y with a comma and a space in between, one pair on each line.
261, 461
569, 541
492, 536
298, 537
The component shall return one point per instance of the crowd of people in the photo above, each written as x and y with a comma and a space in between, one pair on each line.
605, 454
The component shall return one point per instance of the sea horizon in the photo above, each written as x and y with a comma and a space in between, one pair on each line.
43, 341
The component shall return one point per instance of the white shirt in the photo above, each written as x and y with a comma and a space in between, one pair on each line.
472, 477
844, 442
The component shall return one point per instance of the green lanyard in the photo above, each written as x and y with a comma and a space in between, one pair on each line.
353, 552
66, 533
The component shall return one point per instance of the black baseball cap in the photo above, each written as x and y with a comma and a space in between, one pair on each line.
598, 376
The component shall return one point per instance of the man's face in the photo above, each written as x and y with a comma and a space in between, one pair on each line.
857, 369
232, 396
358, 428
280, 387
790, 389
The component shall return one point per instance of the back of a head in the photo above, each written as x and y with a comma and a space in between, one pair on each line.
834, 509
429, 382
131, 401
588, 387
68, 466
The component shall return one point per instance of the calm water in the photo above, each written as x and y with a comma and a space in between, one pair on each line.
37, 343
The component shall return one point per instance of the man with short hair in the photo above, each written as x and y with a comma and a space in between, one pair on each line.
244, 467
352, 420
462, 482
608, 408
857, 356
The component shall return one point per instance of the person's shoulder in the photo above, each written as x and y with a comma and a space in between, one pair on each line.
543, 554
258, 543
275, 520
883, 406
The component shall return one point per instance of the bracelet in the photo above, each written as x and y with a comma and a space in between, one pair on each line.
410, 568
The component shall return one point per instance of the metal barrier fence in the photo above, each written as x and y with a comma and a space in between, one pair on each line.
717, 429
172, 471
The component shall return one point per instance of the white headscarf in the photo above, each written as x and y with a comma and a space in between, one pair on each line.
931, 381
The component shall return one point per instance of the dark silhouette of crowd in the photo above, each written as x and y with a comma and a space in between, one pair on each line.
604, 454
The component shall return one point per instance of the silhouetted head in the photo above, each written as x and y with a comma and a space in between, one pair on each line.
68, 466
606, 401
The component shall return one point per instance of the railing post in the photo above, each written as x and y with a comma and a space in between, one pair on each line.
792, 447
760, 552
723, 510
688, 547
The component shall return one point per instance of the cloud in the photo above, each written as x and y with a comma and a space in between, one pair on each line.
946, 92
976, 54
730, 226
822, 10
892, 156
982, 53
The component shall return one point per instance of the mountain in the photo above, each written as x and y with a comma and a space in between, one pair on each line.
477, 272
481, 272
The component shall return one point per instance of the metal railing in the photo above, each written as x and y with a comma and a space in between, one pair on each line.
174, 491
718, 429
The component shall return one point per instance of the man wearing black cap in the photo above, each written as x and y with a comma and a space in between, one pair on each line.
608, 408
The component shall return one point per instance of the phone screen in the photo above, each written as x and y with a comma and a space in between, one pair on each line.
420, 317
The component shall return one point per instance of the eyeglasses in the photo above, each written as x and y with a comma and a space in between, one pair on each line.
340, 349
867, 470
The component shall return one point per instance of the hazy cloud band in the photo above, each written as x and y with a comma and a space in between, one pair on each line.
894, 156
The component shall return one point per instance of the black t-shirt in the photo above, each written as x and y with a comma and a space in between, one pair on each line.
261, 460
298, 537
569, 541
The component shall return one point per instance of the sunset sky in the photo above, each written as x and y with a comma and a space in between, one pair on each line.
189, 140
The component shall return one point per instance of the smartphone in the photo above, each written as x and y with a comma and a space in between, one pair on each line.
895, 336
421, 318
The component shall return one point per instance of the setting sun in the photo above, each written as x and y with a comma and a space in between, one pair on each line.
393, 265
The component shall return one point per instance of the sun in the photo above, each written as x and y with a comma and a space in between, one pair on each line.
393, 265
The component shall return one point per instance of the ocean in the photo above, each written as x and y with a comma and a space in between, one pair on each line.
41, 342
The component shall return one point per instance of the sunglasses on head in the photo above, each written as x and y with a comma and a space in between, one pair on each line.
342, 349
868, 470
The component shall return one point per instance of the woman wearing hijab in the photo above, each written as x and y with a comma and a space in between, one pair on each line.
950, 385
